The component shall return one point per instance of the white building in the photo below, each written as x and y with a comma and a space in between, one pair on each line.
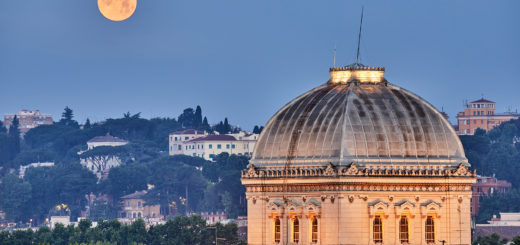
200, 144
101, 164
178, 138
22, 170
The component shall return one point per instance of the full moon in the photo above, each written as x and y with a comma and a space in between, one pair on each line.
117, 10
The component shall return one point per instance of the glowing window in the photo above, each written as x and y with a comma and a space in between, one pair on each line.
277, 230
430, 230
403, 230
296, 230
314, 230
378, 229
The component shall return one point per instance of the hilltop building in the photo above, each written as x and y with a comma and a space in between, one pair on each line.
481, 114
133, 207
214, 217
486, 186
358, 160
101, 164
21, 172
28, 119
201, 144
507, 226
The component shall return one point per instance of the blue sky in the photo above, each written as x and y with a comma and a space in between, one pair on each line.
246, 59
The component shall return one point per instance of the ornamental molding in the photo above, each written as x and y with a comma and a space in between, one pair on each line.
330, 170
358, 187
352, 170
333, 171
461, 170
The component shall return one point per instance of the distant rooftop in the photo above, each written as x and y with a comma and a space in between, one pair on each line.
188, 131
106, 138
482, 101
213, 137
137, 194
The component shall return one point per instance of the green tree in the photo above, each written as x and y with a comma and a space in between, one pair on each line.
187, 118
15, 195
197, 118
3, 130
87, 124
205, 125
493, 239
14, 135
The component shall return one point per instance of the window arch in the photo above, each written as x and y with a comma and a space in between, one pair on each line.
295, 230
314, 229
403, 230
378, 229
277, 230
430, 229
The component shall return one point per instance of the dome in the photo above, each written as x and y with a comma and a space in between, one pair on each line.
358, 117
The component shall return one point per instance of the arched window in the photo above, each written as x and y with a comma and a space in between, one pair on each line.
314, 230
430, 230
378, 229
277, 230
403, 230
296, 230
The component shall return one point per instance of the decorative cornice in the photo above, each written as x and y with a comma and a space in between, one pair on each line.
353, 170
359, 187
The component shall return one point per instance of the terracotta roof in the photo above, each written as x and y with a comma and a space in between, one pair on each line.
188, 131
137, 194
482, 101
106, 138
214, 138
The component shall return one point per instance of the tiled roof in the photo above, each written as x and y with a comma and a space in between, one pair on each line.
214, 138
482, 101
137, 194
188, 131
106, 138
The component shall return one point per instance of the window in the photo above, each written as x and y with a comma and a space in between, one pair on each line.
430, 230
296, 230
175, 138
233, 146
227, 146
277, 230
403, 229
219, 146
186, 138
180, 147
314, 230
378, 229
210, 146
138, 204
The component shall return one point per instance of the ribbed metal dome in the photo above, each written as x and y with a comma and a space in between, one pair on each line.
365, 123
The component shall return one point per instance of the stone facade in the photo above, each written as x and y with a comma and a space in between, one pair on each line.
346, 201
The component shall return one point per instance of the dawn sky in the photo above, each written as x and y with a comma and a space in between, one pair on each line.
245, 59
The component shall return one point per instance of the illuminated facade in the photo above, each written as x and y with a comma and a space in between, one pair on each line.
481, 114
358, 160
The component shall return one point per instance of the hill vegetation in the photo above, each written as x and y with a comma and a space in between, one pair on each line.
177, 180
496, 153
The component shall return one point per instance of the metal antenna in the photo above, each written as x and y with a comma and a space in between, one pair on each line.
334, 65
359, 37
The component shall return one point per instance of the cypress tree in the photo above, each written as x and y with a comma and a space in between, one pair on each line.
14, 136
227, 127
3, 130
87, 124
197, 121
205, 124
